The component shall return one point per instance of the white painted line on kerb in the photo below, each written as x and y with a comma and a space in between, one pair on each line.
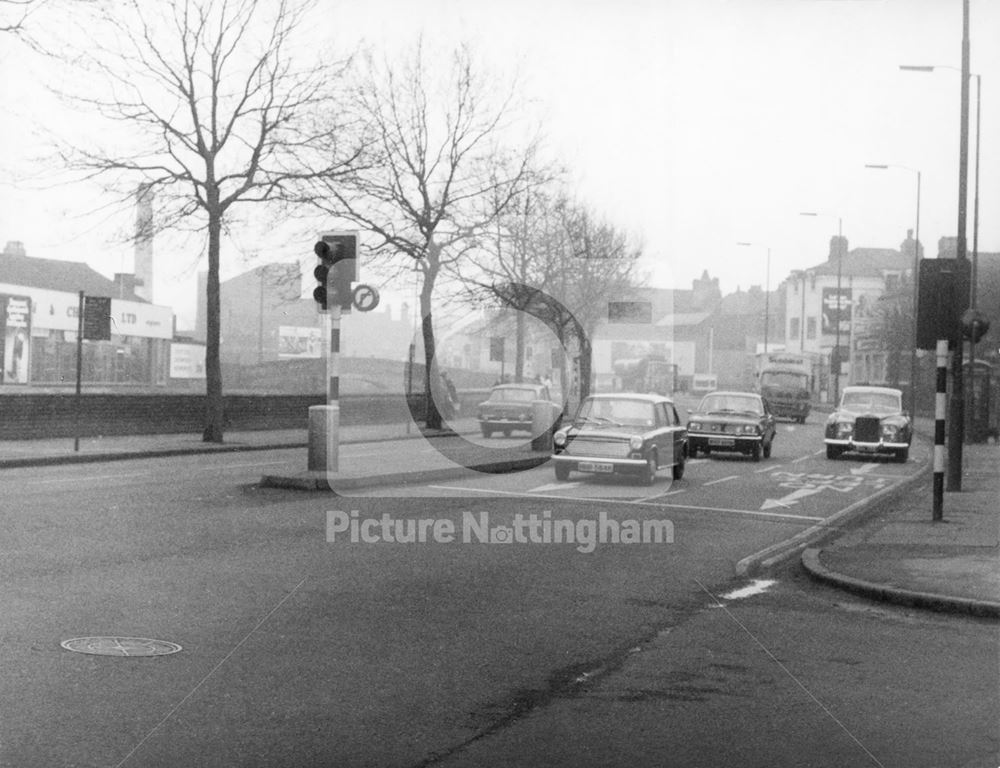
722, 480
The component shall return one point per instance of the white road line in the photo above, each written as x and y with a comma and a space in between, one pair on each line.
554, 487
864, 469
768, 469
85, 478
806, 457
241, 466
632, 502
743, 512
722, 480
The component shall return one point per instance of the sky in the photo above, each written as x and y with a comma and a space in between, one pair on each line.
694, 125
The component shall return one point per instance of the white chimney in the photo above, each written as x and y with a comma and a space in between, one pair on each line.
144, 242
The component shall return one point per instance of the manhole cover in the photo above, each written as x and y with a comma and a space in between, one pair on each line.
120, 646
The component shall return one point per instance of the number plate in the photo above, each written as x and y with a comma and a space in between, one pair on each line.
721, 441
867, 448
591, 466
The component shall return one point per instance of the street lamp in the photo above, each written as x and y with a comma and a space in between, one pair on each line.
916, 272
957, 411
836, 346
767, 292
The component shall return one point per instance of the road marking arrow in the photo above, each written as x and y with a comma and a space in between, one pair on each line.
790, 499
864, 469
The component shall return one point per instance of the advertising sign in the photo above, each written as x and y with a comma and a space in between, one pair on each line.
836, 310
15, 330
299, 342
187, 361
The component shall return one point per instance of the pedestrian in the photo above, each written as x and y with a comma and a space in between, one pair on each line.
449, 396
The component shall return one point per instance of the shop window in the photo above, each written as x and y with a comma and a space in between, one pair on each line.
810, 327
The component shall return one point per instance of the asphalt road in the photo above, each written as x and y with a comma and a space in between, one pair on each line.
302, 651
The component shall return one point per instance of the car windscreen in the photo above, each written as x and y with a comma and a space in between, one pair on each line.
886, 402
784, 379
513, 395
730, 404
633, 413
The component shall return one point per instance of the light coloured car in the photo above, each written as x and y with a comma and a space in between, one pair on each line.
622, 433
869, 420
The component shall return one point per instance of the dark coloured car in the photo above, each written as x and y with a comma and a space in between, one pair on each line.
510, 408
869, 420
625, 434
732, 422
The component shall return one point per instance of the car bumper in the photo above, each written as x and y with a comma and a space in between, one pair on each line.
506, 423
741, 443
600, 464
882, 446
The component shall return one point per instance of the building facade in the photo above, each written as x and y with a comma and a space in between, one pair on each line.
39, 321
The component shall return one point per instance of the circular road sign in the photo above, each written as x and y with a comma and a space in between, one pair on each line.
365, 298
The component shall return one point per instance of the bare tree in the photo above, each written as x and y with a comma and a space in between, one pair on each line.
435, 174
556, 260
211, 112
14, 15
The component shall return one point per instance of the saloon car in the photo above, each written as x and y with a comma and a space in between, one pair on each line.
510, 407
869, 420
622, 434
736, 422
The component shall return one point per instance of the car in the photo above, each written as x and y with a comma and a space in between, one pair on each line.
735, 422
869, 420
510, 407
622, 434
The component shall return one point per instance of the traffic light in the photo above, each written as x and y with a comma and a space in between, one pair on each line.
337, 269
942, 296
974, 325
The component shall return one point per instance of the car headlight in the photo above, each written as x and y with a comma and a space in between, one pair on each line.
844, 428
559, 438
694, 425
890, 431
635, 443
750, 429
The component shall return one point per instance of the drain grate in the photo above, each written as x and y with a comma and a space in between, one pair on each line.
120, 646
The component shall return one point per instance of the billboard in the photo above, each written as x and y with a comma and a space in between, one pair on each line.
187, 361
299, 342
15, 332
836, 310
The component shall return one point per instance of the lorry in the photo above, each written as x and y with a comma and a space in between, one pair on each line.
785, 380
648, 374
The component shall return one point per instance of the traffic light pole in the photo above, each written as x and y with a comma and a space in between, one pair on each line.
324, 420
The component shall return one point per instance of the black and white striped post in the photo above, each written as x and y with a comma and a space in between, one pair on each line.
940, 409
337, 270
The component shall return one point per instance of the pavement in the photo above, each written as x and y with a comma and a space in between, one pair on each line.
895, 552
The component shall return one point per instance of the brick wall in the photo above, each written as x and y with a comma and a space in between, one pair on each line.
29, 416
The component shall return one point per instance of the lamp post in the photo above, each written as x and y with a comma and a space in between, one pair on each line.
836, 346
767, 291
956, 411
916, 272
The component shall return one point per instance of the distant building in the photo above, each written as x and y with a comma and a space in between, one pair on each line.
265, 319
39, 318
822, 308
